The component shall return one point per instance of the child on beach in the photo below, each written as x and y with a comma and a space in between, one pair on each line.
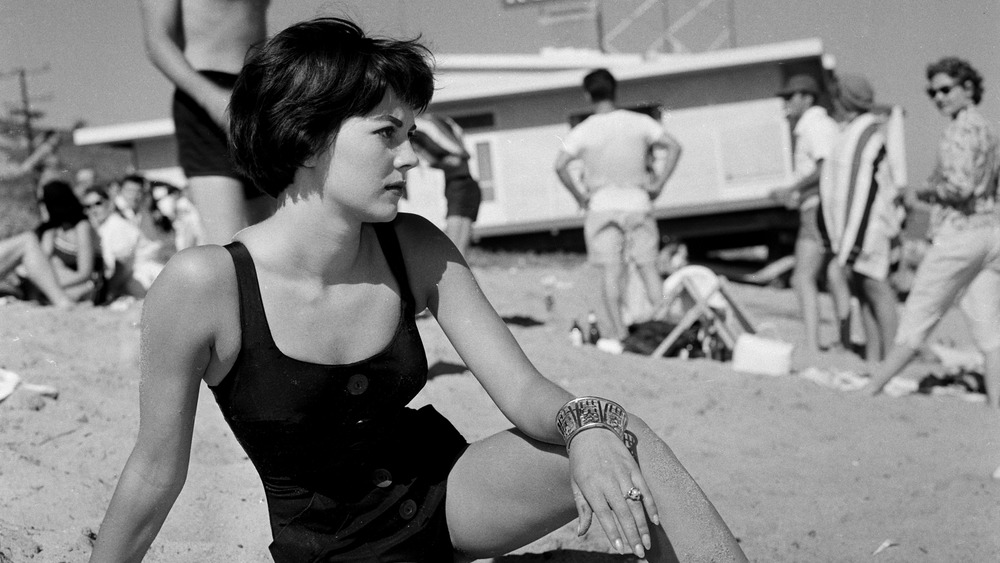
303, 328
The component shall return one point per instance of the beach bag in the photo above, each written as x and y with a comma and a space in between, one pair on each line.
762, 355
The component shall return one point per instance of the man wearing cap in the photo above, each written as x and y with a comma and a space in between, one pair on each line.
857, 210
813, 135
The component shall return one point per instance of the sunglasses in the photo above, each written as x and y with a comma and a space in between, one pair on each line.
790, 95
94, 204
933, 92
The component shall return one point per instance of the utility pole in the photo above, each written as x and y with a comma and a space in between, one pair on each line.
25, 110
599, 22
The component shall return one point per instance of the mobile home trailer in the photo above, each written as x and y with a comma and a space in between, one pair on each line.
515, 109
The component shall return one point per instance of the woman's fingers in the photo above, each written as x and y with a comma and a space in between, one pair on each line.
617, 518
636, 499
647, 500
633, 521
586, 515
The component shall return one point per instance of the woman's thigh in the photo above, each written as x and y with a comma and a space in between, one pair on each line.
505, 492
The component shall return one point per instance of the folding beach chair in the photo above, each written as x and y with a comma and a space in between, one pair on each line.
704, 296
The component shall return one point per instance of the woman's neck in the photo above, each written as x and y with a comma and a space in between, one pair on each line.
302, 235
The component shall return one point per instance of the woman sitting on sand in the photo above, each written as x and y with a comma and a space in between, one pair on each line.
70, 242
303, 328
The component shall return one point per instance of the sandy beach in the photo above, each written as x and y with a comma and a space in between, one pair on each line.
799, 471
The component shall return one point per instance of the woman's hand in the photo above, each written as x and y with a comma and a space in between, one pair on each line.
603, 471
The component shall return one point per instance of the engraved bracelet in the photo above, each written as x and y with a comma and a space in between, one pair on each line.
585, 413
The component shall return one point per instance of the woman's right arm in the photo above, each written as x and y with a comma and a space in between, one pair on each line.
179, 331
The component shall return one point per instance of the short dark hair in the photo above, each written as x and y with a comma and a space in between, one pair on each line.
297, 89
98, 190
600, 84
961, 71
62, 205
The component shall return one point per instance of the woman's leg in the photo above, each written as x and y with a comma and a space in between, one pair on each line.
25, 250
508, 490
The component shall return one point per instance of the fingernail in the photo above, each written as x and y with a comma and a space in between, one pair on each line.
579, 529
639, 551
619, 546
656, 519
646, 541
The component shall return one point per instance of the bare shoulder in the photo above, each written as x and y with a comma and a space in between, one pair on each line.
196, 278
427, 253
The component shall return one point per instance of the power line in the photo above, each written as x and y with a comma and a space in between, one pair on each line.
27, 113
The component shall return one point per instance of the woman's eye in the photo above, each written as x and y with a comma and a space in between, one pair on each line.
387, 133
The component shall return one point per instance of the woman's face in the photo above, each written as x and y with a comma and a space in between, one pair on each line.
948, 95
364, 169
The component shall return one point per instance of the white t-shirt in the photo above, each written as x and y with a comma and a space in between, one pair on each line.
815, 134
119, 242
614, 149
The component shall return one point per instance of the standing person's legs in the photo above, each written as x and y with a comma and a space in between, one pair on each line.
24, 249
809, 261
463, 196
221, 206
459, 230
605, 242
808, 264
881, 300
840, 294
642, 247
950, 265
981, 308
611, 276
508, 490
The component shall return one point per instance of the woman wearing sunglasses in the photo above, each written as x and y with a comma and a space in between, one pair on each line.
965, 226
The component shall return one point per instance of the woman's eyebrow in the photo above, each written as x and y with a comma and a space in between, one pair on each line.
391, 118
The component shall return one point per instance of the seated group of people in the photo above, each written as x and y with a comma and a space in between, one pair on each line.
107, 243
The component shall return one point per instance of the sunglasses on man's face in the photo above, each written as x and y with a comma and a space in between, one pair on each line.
93, 204
933, 92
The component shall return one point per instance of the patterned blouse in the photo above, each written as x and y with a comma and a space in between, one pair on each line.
965, 177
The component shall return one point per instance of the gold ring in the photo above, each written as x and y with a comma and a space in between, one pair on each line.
633, 494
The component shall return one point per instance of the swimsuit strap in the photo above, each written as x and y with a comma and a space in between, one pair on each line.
389, 243
253, 321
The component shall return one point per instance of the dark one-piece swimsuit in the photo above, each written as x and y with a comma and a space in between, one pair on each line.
349, 472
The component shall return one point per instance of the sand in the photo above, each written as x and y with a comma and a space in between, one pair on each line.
800, 472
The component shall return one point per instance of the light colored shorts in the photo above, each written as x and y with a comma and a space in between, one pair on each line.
875, 258
618, 237
961, 260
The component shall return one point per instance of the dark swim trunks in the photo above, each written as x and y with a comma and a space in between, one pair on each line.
202, 146
463, 196
350, 473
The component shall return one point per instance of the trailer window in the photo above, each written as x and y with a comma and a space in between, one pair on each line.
484, 166
475, 121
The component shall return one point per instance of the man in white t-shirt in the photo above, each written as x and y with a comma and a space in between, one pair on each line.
615, 148
813, 135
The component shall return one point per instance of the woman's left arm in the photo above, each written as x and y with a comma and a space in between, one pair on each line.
601, 466
443, 282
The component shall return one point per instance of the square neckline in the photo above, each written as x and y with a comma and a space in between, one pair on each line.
393, 259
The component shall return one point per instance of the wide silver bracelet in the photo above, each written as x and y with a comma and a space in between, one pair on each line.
584, 413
